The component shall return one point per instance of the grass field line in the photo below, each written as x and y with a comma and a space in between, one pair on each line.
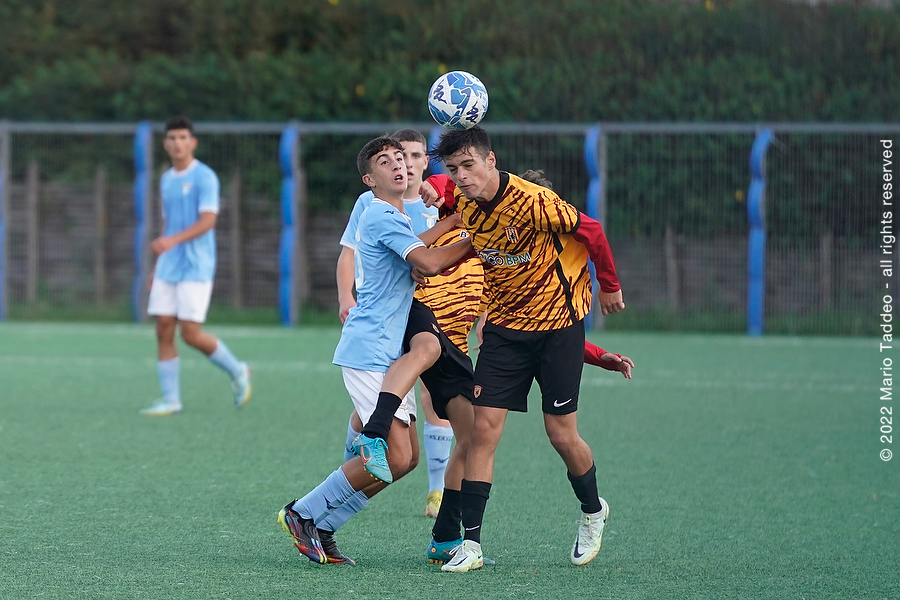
138, 330
661, 378
149, 362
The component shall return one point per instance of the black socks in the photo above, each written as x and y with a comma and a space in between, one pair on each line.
472, 499
380, 422
585, 488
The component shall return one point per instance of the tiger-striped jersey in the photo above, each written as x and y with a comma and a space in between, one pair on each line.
455, 295
536, 271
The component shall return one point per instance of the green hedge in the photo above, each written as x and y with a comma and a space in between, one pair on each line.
574, 60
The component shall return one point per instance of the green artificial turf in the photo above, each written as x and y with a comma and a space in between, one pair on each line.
734, 467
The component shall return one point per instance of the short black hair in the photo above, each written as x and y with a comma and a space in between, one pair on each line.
455, 140
372, 148
409, 135
180, 122
537, 176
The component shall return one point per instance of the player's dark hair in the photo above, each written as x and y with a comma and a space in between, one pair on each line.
536, 176
372, 148
180, 122
453, 141
409, 135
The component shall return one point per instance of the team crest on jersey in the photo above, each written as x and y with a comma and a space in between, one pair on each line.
512, 234
477, 390
463, 234
186, 187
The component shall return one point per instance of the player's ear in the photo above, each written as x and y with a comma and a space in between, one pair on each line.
367, 179
491, 160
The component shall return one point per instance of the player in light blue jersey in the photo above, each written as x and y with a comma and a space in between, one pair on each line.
183, 278
372, 340
437, 435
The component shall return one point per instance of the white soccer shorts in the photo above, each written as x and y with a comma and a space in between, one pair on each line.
186, 300
364, 387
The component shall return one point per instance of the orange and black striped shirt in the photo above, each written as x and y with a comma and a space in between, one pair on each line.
534, 256
455, 295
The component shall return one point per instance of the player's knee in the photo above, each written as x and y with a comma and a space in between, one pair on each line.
401, 463
413, 463
165, 331
426, 347
562, 440
190, 335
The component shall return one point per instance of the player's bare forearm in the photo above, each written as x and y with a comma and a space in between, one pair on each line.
345, 276
431, 261
204, 223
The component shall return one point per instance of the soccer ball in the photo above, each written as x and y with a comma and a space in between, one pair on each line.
457, 100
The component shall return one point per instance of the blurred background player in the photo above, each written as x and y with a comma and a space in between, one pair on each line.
535, 248
437, 435
182, 281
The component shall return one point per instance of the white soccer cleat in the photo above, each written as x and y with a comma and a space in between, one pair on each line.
161, 408
590, 535
466, 558
240, 386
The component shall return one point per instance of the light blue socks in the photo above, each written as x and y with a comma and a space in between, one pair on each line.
437, 441
168, 372
351, 435
225, 360
326, 497
344, 512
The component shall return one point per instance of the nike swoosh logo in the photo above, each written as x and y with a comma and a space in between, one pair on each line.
576, 553
473, 528
557, 403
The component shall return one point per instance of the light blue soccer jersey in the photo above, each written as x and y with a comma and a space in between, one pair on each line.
372, 336
421, 217
185, 194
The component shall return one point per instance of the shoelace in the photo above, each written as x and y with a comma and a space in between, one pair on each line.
585, 527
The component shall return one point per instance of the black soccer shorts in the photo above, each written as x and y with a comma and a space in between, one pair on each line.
509, 360
451, 375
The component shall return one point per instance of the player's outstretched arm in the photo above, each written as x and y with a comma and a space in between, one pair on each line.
597, 356
431, 261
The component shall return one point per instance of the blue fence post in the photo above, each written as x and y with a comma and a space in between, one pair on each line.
143, 172
756, 245
4, 208
287, 285
594, 206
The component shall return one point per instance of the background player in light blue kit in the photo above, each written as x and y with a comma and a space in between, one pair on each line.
183, 278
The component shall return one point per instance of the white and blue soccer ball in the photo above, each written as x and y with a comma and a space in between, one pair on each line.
457, 100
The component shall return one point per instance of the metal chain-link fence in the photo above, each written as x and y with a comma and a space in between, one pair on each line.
674, 206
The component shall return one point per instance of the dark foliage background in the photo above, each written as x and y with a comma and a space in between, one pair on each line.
568, 60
